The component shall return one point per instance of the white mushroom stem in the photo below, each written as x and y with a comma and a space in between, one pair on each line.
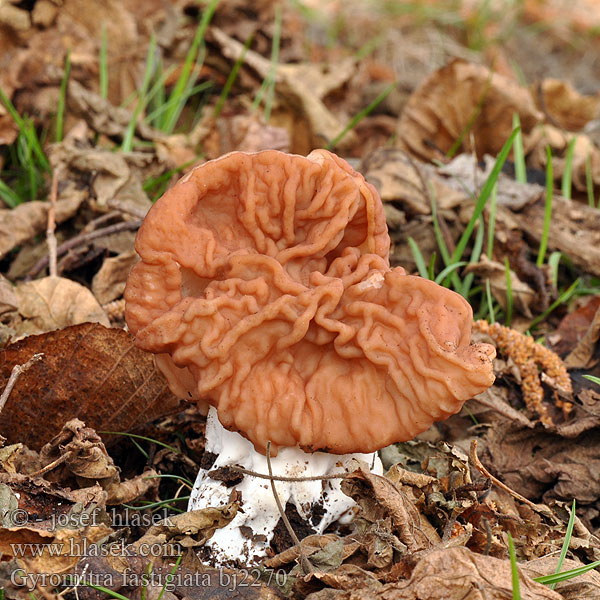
258, 509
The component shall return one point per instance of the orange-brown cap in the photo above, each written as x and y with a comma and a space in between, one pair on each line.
265, 288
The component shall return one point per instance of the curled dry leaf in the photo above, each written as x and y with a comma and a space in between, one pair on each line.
88, 371
303, 86
19, 224
83, 453
379, 499
582, 355
8, 298
541, 465
495, 273
442, 107
109, 282
55, 302
449, 574
564, 105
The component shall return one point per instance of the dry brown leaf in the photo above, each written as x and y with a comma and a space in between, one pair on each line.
55, 302
89, 372
125, 492
21, 223
582, 356
303, 86
83, 454
8, 298
116, 177
450, 574
564, 105
380, 499
583, 587
109, 282
545, 466
495, 273
441, 108
574, 325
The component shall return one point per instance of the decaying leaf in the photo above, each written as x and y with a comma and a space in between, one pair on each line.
495, 272
55, 302
581, 356
462, 94
379, 499
89, 372
8, 298
583, 587
564, 105
449, 574
19, 224
540, 465
109, 282
302, 85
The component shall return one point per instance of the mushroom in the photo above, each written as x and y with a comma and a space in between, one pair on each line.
265, 291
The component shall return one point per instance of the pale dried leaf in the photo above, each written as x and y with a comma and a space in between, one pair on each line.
439, 111
109, 282
8, 298
55, 302
21, 223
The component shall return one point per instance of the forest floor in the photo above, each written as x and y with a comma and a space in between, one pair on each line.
479, 124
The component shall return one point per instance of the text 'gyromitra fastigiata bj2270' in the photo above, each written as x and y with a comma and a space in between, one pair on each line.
265, 291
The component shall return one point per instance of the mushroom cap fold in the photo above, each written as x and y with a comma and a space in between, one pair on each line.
265, 289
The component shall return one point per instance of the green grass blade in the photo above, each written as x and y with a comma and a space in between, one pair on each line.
141, 437
568, 172
516, 586
431, 267
564, 297
26, 130
449, 269
190, 60
509, 295
156, 504
356, 119
548, 208
593, 378
62, 97
490, 302
170, 576
589, 182
163, 109
274, 61
519, 153
492, 221
418, 258
170, 476
486, 191
103, 63
106, 590
566, 542
566, 575
475, 255
472, 118
127, 144
9, 197
553, 263
231, 78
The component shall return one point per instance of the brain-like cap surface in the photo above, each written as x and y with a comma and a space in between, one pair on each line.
264, 288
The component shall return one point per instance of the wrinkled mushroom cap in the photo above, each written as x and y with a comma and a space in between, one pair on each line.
265, 289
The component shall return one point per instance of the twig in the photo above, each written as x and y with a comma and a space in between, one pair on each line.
16, 372
80, 240
51, 227
283, 477
304, 562
55, 463
544, 510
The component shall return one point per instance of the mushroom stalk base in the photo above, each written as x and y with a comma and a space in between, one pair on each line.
245, 540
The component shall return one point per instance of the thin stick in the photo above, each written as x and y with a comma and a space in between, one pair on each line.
51, 227
80, 240
52, 465
16, 372
283, 477
544, 510
304, 562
